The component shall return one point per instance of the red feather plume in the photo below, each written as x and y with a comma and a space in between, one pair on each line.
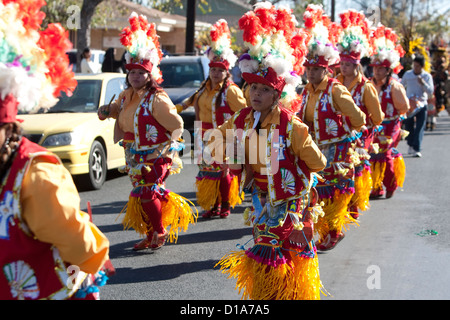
30, 12
55, 42
218, 29
251, 25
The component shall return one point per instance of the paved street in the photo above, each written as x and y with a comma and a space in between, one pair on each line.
393, 254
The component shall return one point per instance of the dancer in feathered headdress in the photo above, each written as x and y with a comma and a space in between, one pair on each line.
354, 39
282, 263
326, 104
220, 52
322, 51
142, 45
217, 99
276, 50
353, 44
33, 66
150, 129
387, 50
42, 228
388, 167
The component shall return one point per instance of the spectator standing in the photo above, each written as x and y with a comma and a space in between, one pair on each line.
110, 64
87, 65
419, 88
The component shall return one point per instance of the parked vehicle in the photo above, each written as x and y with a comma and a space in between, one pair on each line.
72, 130
182, 76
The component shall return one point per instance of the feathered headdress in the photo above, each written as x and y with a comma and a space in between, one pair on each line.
322, 49
220, 52
354, 39
142, 45
417, 46
34, 66
276, 49
387, 49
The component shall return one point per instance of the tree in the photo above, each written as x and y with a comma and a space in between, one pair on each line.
81, 15
170, 5
84, 33
57, 11
415, 21
412, 18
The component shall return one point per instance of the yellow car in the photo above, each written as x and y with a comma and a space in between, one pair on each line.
72, 130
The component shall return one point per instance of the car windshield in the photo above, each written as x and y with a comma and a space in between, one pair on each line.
181, 74
85, 98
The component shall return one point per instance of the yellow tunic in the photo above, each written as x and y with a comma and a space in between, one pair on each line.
398, 94
302, 144
342, 102
369, 99
51, 209
235, 100
163, 111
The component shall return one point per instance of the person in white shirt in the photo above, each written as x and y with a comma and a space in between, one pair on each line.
87, 66
419, 88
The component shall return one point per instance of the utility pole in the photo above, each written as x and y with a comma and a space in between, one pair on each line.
380, 4
190, 27
333, 10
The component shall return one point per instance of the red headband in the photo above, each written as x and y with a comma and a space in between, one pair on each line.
353, 57
140, 64
378, 63
8, 109
269, 78
220, 64
316, 61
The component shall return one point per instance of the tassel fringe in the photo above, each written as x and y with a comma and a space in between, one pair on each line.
298, 280
235, 197
363, 187
135, 216
337, 217
378, 168
208, 192
399, 170
176, 212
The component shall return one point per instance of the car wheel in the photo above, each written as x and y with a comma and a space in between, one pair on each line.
97, 166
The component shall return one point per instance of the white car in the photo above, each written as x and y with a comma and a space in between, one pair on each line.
97, 57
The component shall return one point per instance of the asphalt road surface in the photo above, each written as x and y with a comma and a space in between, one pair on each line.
400, 250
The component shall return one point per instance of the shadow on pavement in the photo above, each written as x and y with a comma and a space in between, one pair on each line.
160, 272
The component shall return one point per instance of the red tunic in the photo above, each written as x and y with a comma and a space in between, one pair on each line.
328, 125
289, 177
30, 269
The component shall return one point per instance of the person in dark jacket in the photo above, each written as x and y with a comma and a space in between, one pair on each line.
110, 64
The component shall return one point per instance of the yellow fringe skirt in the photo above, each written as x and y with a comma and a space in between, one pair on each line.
379, 168
208, 192
399, 170
176, 210
363, 187
337, 217
297, 280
